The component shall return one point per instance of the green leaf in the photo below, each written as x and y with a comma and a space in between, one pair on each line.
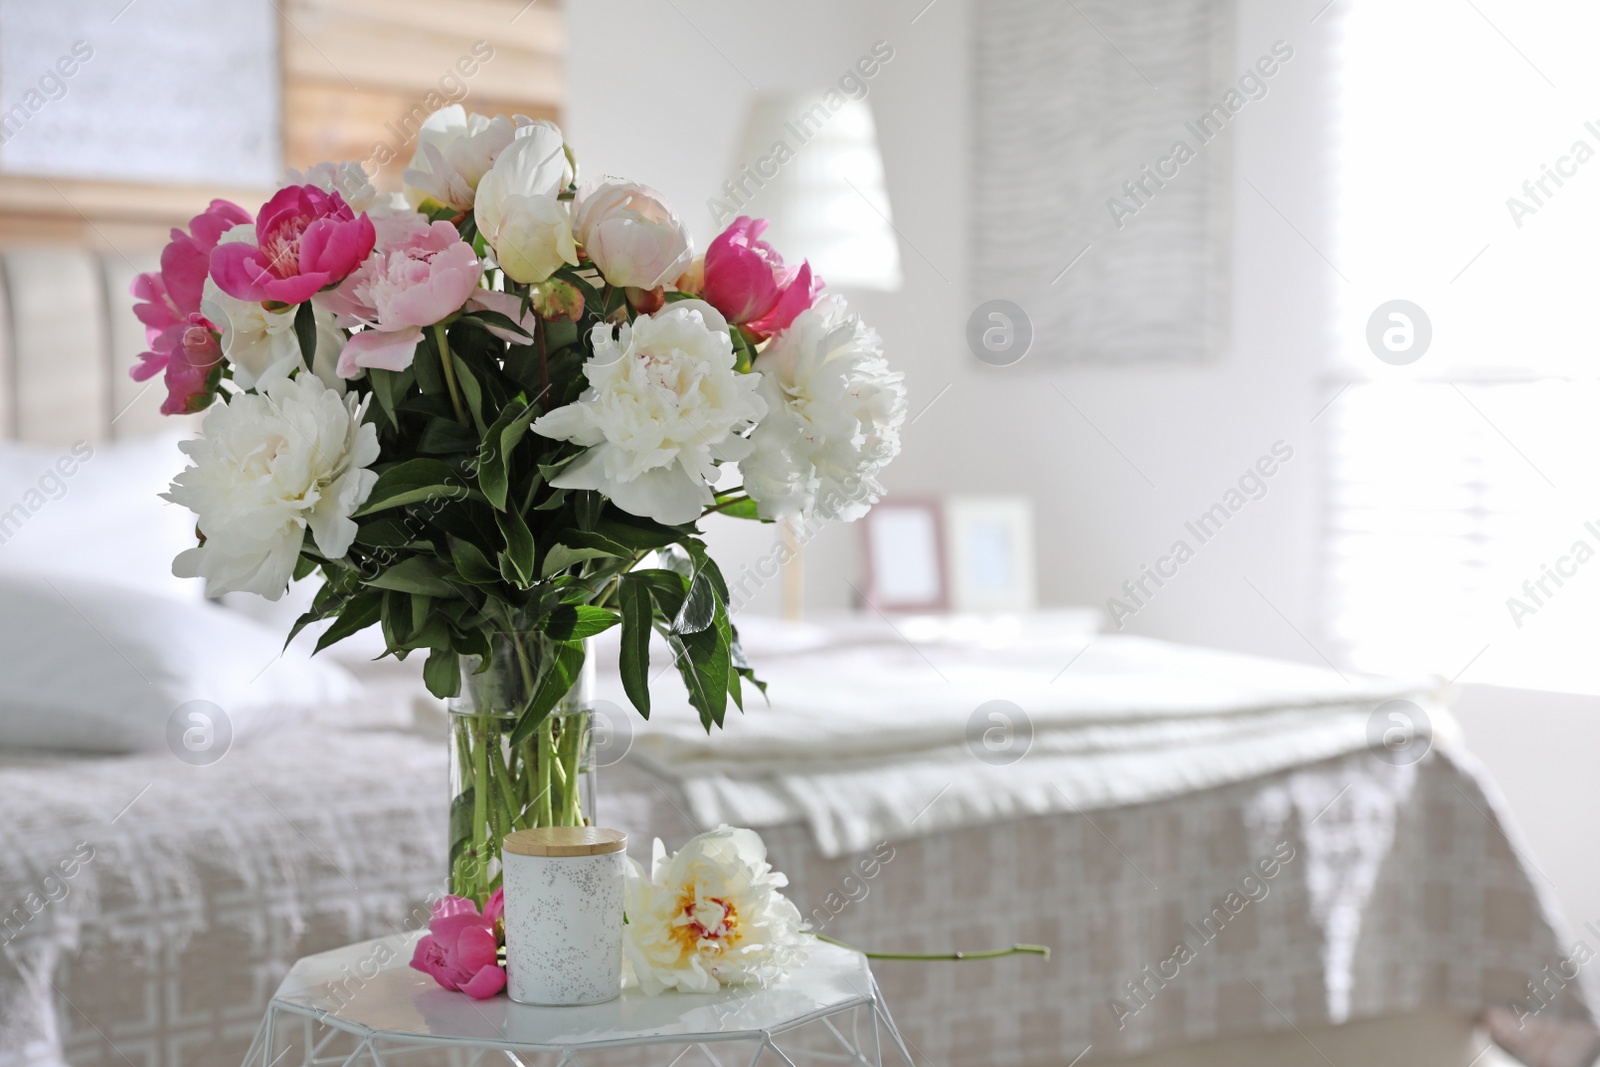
442, 673
699, 607
556, 499
434, 631
488, 318
704, 564
735, 691
574, 622
429, 371
702, 661
586, 508
667, 588
472, 564
560, 334
389, 386
633, 599
301, 623
640, 535
560, 557
414, 481
741, 665
303, 567
389, 531
561, 669
396, 619
494, 455
357, 613
519, 553
305, 332
443, 437
471, 390
415, 574
742, 508
602, 545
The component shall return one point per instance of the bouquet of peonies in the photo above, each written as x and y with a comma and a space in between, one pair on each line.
489, 414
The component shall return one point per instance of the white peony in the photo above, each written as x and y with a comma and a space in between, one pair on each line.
631, 234
455, 150
349, 180
836, 413
709, 916
259, 342
518, 211
664, 404
268, 467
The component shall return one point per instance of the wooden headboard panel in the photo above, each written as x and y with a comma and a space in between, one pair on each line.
67, 340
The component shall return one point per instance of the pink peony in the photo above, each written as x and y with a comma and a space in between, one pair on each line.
170, 297
746, 280
306, 240
421, 275
461, 948
194, 369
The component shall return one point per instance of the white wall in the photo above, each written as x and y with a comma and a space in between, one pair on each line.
1190, 430
709, 56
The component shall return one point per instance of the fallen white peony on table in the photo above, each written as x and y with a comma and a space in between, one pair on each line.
710, 915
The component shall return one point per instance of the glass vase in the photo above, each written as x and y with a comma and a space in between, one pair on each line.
497, 785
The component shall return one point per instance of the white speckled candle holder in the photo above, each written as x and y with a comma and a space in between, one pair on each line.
564, 914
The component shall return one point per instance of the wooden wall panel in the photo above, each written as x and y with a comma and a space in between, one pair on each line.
359, 75
353, 70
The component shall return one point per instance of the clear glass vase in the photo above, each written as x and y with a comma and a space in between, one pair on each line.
545, 779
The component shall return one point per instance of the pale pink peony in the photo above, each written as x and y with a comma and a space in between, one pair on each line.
306, 240
461, 948
630, 234
170, 298
746, 280
421, 277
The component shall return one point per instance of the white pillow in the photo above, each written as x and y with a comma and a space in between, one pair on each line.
93, 511
94, 666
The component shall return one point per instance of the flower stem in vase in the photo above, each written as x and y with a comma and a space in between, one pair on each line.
499, 785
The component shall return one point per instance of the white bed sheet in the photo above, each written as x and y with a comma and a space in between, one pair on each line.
880, 729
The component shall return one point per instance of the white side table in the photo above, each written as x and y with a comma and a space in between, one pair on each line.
363, 1005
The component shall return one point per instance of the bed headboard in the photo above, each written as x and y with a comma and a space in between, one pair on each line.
67, 340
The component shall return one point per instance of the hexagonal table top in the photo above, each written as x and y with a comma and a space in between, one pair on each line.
369, 990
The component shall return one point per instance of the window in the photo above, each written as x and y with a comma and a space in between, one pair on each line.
1462, 513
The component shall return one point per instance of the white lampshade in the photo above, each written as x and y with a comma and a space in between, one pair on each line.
815, 173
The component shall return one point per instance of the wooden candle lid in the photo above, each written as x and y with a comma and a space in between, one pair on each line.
565, 841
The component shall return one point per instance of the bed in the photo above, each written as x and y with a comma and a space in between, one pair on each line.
1224, 865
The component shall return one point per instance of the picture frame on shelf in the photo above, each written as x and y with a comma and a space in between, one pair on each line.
903, 549
990, 556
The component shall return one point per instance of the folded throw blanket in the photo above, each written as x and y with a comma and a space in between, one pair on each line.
883, 730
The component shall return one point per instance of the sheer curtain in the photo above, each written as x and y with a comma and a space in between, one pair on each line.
1463, 502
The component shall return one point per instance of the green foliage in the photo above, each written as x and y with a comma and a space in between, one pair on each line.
305, 332
464, 550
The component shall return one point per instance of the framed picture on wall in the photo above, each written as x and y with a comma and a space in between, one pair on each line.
991, 553
904, 555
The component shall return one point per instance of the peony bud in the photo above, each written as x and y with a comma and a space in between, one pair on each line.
646, 301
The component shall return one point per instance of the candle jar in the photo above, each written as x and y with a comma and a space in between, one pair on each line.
563, 894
